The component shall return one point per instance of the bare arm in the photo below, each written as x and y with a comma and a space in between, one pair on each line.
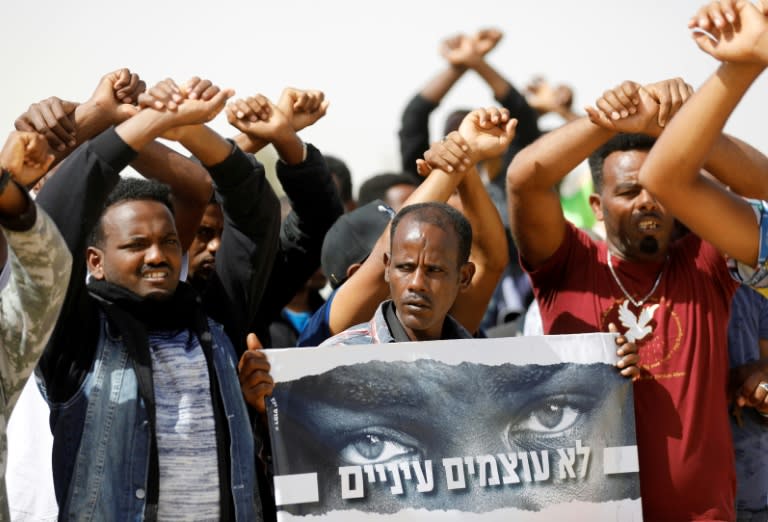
490, 252
536, 217
718, 216
356, 300
189, 181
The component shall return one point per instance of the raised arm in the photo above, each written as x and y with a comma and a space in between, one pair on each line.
414, 122
483, 134
315, 206
68, 124
36, 259
536, 217
672, 169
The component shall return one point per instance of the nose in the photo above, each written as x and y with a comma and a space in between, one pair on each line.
646, 201
214, 244
154, 255
417, 281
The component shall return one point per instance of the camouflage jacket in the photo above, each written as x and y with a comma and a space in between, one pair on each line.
38, 269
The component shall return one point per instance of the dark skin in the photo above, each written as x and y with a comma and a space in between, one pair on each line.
425, 276
140, 251
637, 226
25, 156
202, 252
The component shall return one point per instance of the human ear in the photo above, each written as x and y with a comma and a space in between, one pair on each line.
596, 202
387, 259
466, 272
94, 258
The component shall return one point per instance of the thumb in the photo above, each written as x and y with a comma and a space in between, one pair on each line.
612, 328
253, 342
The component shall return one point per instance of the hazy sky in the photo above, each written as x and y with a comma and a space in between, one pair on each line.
368, 57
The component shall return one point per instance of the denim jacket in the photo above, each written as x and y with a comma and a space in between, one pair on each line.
107, 454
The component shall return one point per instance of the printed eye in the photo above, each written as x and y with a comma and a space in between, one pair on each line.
370, 448
550, 416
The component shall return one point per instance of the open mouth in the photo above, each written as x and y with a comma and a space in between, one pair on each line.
155, 275
648, 225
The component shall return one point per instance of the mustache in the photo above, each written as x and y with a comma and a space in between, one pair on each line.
417, 299
158, 266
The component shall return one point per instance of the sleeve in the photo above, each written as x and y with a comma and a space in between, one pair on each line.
414, 131
251, 227
74, 199
315, 208
40, 265
763, 318
317, 329
757, 276
527, 130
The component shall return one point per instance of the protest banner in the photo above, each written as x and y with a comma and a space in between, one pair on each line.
526, 428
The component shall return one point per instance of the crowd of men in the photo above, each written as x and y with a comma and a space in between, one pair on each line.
137, 310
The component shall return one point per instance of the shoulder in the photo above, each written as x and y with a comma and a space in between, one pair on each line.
358, 334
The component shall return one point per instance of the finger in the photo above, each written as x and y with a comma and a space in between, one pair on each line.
123, 77
52, 123
606, 109
728, 8
209, 93
39, 125
632, 372
36, 149
197, 90
422, 167
619, 109
598, 117
664, 97
125, 93
62, 117
440, 157
627, 95
258, 107
253, 342
23, 124
458, 149
300, 103
705, 41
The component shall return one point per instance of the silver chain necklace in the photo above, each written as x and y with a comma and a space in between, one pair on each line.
641, 302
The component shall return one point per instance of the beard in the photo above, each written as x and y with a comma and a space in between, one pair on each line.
649, 245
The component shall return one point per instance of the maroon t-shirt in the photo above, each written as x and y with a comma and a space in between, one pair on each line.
684, 439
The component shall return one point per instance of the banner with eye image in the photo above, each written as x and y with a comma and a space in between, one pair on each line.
525, 428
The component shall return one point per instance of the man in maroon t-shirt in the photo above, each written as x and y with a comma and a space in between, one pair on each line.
671, 297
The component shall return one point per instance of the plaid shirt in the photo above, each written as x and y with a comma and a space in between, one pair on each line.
376, 331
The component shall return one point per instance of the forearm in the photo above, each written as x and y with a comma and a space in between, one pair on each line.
414, 131
436, 89
544, 163
74, 197
498, 84
315, 207
249, 144
490, 252
189, 182
289, 146
488, 236
357, 299
739, 166
682, 150
251, 229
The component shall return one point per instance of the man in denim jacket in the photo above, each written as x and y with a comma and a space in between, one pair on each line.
146, 409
